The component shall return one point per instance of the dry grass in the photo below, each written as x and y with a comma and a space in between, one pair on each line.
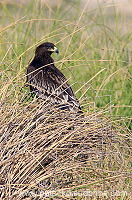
49, 153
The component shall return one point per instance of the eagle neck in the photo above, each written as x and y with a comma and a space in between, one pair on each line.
43, 60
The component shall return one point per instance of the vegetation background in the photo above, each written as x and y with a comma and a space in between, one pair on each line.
94, 40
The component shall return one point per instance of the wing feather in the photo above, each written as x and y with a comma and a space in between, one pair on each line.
51, 83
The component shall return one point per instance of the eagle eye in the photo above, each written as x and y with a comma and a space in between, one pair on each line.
48, 47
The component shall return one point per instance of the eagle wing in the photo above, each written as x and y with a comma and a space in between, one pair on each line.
52, 84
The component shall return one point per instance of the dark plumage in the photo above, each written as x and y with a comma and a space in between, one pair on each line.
47, 82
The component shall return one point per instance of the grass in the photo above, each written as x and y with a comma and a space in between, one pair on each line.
42, 153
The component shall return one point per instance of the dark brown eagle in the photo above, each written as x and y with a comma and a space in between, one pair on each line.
47, 82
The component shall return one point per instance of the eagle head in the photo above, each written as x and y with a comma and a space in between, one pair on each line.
47, 48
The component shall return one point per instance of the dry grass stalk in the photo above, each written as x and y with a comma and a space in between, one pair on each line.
45, 149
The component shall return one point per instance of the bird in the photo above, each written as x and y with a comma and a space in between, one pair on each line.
48, 83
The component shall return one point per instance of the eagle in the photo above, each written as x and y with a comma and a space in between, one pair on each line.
48, 82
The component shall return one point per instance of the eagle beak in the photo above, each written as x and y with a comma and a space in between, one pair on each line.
56, 50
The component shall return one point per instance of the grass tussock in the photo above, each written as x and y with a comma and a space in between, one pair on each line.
50, 154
